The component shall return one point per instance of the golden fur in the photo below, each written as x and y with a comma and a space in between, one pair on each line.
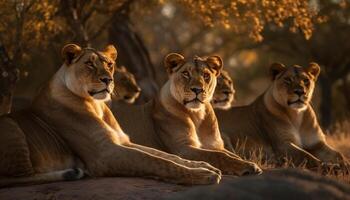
224, 94
181, 119
73, 129
282, 121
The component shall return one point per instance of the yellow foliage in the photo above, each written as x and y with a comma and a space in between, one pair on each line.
250, 16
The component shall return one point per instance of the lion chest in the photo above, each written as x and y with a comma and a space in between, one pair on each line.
294, 136
204, 135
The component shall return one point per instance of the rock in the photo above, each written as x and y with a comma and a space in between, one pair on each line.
276, 184
93, 189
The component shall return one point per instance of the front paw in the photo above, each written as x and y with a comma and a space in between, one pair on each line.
208, 166
244, 169
203, 176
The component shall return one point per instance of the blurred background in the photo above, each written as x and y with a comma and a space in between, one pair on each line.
249, 35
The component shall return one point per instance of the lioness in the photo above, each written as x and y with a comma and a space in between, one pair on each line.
69, 128
181, 119
224, 93
281, 120
127, 90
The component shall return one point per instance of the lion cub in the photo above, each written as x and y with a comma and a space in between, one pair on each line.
181, 119
282, 121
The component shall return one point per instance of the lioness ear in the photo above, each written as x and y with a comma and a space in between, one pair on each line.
275, 69
123, 68
313, 69
173, 60
111, 52
215, 63
69, 52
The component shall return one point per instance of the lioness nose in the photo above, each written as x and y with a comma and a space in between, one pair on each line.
227, 92
252, 171
106, 80
299, 92
197, 90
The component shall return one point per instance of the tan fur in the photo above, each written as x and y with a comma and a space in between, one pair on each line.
73, 128
182, 122
223, 97
280, 121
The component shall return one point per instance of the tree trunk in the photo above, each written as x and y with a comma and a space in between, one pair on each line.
346, 92
326, 101
133, 54
71, 11
8, 78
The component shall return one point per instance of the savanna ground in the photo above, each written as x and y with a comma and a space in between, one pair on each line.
338, 138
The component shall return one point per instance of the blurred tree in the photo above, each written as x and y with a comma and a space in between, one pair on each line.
25, 24
250, 16
131, 49
87, 19
9, 76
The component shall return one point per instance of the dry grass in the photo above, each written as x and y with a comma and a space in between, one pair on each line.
338, 138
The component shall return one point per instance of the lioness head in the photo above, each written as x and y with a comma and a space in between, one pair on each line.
224, 92
127, 88
89, 73
192, 82
293, 86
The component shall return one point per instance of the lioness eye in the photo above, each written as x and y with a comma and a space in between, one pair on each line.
110, 65
186, 74
89, 64
288, 80
206, 76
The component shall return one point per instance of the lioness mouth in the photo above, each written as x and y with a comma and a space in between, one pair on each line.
220, 101
127, 97
193, 100
294, 102
92, 93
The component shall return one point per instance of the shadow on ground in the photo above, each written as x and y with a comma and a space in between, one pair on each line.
277, 184
273, 185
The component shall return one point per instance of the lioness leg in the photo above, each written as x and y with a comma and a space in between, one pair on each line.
63, 175
227, 143
177, 159
226, 163
299, 155
327, 154
134, 162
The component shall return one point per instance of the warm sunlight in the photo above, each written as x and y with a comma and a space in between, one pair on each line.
174, 99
